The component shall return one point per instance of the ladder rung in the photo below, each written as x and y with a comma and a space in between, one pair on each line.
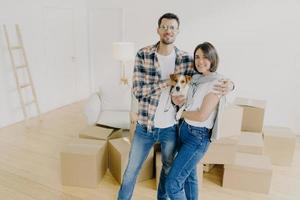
15, 47
29, 103
25, 85
21, 66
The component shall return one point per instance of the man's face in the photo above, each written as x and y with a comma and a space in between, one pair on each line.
168, 31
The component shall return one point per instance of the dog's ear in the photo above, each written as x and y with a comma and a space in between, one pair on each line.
188, 78
173, 78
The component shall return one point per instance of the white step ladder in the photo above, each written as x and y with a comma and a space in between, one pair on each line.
20, 87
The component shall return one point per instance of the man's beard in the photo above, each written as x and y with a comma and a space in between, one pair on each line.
167, 42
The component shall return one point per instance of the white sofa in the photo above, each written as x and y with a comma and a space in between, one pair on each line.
111, 107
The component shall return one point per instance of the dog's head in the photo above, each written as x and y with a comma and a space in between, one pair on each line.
180, 84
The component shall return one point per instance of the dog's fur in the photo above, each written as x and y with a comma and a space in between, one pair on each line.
180, 87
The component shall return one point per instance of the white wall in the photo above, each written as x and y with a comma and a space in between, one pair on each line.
51, 82
257, 41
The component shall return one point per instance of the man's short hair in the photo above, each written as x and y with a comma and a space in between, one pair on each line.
168, 16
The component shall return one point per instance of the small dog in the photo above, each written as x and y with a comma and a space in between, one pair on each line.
181, 87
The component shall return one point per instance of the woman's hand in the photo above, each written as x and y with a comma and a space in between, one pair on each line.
178, 100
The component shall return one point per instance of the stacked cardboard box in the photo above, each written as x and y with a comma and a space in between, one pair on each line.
100, 133
249, 172
200, 174
253, 115
250, 142
221, 151
118, 155
230, 121
83, 162
280, 144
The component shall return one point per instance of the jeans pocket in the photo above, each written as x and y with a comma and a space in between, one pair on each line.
200, 133
141, 130
196, 132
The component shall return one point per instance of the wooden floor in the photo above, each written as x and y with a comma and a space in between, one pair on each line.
30, 166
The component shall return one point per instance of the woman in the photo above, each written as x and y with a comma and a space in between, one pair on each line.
195, 129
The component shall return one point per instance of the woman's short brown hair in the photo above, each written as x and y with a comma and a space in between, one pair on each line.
210, 53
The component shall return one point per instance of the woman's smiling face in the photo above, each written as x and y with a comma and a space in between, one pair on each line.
202, 62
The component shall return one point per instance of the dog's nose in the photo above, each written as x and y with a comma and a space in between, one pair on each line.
177, 88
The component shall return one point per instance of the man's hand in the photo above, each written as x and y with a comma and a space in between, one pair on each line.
223, 87
133, 117
178, 100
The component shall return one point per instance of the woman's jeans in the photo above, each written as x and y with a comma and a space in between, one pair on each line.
141, 145
182, 180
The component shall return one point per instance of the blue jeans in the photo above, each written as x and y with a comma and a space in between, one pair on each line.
141, 145
182, 180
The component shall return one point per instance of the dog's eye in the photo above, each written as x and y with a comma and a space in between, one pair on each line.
182, 81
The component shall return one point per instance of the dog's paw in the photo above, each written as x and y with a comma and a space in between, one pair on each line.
178, 115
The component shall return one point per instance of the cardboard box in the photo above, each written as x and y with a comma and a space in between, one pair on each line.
221, 151
83, 162
250, 142
253, 115
158, 167
200, 173
279, 144
118, 156
100, 133
249, 172
157, 148
231, 121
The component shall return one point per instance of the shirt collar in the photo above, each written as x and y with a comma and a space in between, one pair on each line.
177, 51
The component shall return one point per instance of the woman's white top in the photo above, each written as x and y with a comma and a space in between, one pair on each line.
196, 103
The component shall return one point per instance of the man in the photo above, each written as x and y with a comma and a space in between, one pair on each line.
156, 114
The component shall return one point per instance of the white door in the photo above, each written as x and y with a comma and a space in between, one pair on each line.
60, 53
105, 27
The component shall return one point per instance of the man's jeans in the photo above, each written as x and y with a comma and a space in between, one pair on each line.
141, 145
182, 180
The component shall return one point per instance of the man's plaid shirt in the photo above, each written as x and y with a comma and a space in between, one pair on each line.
147, 83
